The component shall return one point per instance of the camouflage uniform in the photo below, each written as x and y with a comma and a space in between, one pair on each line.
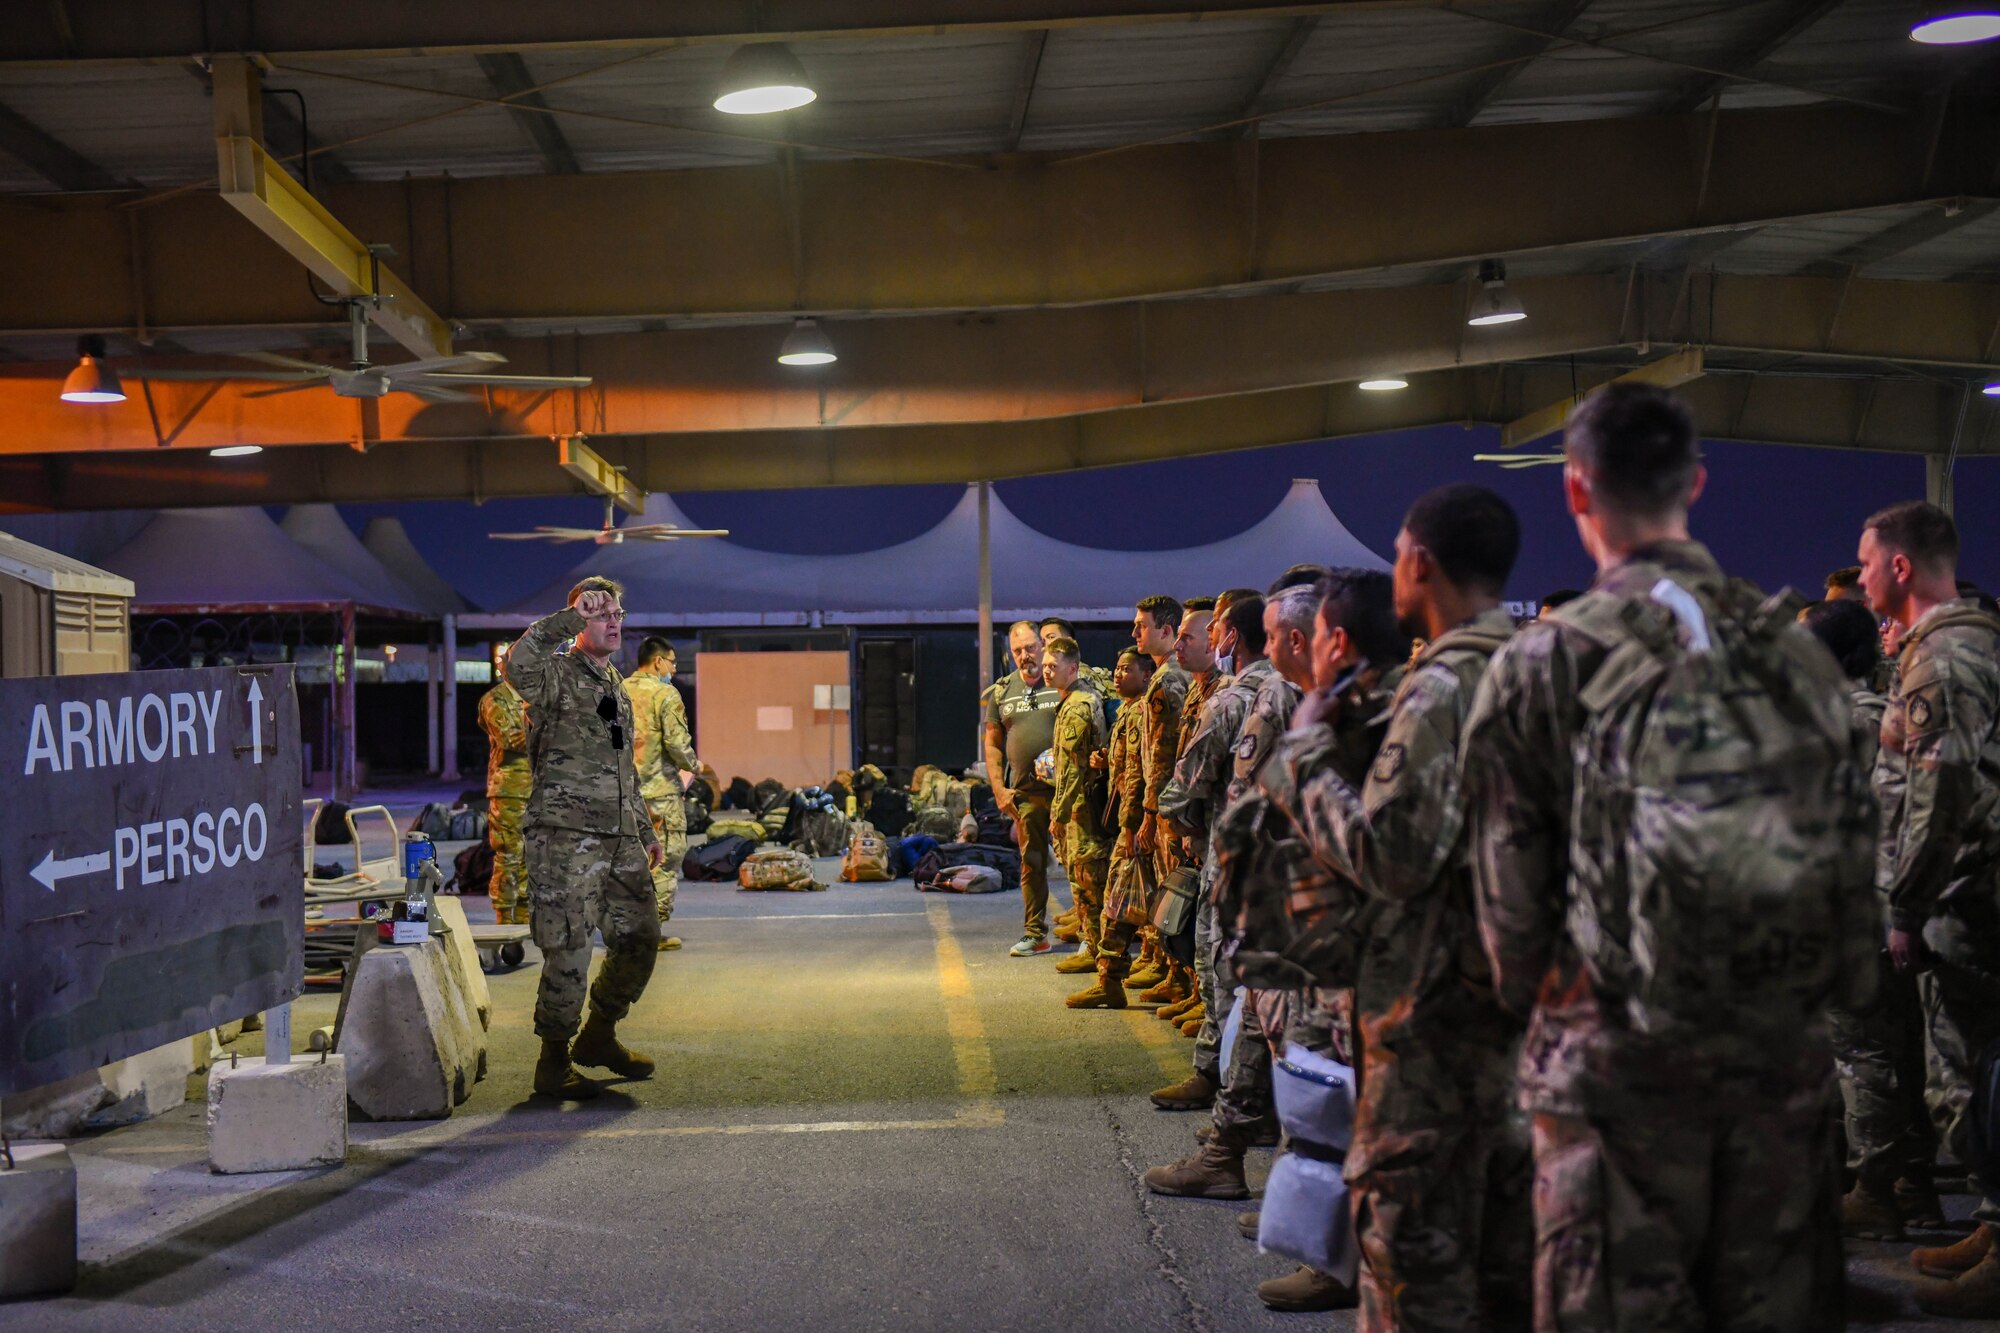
1165, 704
504, 718
1194, 797
662, 749
1680, 1182
1439, 1166
1126, 893
1079, 809
587, 831
1938, 777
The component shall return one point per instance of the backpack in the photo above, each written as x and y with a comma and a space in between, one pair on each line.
1722, 824
766, 794
964, 879
907, 853
433, 821
737, 796
695, 810
890, 810
467, 825
736, 825
979, 797
776, 819
820, 830
472, 869
777, 868
995, 828
1003, 859
935, 822
867, 859
330, 825
718, 859
957, 800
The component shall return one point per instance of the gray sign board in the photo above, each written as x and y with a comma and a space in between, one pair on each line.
150, 861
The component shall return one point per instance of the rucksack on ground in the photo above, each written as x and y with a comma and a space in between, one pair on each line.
820, 830
934, 821
890, 811
766, 794
433, 821
964, 879
472, 869
906, 853
867, 859
717, 860
1006, 860
1723, 824
775, 819
466, 825
733, 824
777, 868
696, 810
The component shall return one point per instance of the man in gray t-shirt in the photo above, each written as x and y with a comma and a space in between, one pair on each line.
1020, 716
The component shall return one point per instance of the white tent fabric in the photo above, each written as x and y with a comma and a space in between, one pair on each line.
935, 576
321, 531
226, 557
387, 541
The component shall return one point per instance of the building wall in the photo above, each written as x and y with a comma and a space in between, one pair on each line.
757, 719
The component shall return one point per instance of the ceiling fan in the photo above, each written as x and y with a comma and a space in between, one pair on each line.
1515, 462
437, 379
608, 535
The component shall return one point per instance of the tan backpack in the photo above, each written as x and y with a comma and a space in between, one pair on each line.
867, 859
777, 868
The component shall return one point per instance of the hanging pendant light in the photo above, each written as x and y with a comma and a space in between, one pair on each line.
1386, 384
1956, 24
1495, 304
235, 450
806, 345
93, 380
762, 78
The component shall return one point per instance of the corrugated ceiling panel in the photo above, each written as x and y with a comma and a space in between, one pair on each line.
1110, 85
1788, 249
151, 124
1973, 250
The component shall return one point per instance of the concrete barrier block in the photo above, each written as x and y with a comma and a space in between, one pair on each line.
458, 938
203, 1045
144, 1085
290, 1117
405, 1051
38, 1222
54, 1110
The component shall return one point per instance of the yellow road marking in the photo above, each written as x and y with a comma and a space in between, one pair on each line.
969, 1050
1171, 1051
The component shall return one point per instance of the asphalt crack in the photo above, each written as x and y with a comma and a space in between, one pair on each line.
1169, 1266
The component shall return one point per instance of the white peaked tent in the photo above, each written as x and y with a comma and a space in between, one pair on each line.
227, 558
321, 531
935, 575
387, 541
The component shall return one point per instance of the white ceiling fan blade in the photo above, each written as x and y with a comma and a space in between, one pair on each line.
432, 393
513, 381
435, 364
548, 534
666, 532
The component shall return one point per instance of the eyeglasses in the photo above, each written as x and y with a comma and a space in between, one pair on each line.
615, 617
607, 708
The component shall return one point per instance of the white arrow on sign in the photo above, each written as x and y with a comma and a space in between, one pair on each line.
52, 872
256, 722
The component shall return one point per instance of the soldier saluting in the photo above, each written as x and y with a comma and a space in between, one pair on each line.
591, 846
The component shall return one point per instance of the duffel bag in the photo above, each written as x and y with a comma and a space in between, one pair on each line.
717, 860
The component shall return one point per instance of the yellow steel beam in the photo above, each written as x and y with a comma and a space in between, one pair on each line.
1668, 373
254, 185
598, 474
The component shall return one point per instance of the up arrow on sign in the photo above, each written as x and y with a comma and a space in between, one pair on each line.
256, 722
52, 872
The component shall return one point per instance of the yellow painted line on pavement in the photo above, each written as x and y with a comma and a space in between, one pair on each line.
1171, 1051
969, 1050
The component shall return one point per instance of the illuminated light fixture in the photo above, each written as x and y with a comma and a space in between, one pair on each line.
1992, 390
761, 78
93, 380
806, 345
1956, 25
1495, 304
1384, 385
236, 451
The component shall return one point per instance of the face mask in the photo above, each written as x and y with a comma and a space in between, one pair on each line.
1226, 664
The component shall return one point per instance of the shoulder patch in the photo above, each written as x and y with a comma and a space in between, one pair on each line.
1918, 710
1389, 762
1246, 745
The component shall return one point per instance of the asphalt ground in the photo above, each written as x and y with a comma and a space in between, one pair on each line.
866, 1116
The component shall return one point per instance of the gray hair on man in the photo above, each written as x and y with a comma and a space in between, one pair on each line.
1296, 608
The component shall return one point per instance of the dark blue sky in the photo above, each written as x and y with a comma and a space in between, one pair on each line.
1773, 514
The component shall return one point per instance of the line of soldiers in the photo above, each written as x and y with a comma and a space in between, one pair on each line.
587, 834
1606, 911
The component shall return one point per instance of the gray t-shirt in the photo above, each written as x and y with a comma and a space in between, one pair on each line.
1027, 715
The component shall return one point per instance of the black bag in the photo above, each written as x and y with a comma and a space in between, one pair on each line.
472, 869
890, 811
433, 821
466, 825
330, 827
981, 798
1003, 859
766, 794
995, 829
1983, 1115
695, 808
717, 861
738, 796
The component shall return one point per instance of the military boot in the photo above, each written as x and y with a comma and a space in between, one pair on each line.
1103, 994
1262, 1134
1247, 1224
1870, 1214
1196, 1092
1083, 960
1173, 1013
1068, 934
1167, 990
1307, 1289
556, 1077
1948, 1261
1973, 1294
598, 1045
1147, 974
669, 942
1191, 1020
1917, 1201
1215, 1171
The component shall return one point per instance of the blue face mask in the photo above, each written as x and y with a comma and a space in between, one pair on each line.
1226, 664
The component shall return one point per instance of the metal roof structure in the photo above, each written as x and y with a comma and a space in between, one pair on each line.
1040, 233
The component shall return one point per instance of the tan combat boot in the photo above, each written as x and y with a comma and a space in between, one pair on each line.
1215, 1171
1173, 1013
556, 1077
1948, 1261
669, 942
1191, 1020
1307, 1289
1973, 1294
1196, 1092
1068, 934
1247, 1224
1146, 975
1083, 960
1869, 1214
597, 1045
1103, 994
1167, 990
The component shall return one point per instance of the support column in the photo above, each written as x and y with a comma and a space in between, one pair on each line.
448, 770
1938, 481
985, 607
433, 700
346, 777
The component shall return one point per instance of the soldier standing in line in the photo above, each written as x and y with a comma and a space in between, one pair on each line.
1155, 623
663, 750
1020, 718
591, 848
1671, 724
1938, 776
1194, 653
1124, 895
504, 719
1076, 814
1439, 1166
